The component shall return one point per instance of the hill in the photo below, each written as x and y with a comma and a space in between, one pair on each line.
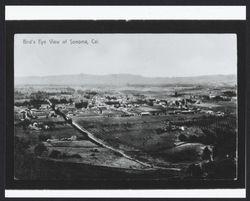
124, 79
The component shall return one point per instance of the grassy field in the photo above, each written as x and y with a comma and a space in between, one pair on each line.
140, 133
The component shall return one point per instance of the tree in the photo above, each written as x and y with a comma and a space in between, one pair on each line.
39, 149
182, 137
40, 95
82, 104
206, 154
150, 103
193, 138
177, 103
229, 93
44, 137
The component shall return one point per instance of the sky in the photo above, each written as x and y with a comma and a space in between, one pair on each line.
150, 55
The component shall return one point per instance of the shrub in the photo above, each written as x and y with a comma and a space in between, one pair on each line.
82, 104
217, 170
55, 154
21, 144
159, 130
75, 156
182, 137
39, 149
193, 138
44, 137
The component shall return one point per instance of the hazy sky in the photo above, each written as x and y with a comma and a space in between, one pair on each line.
143, 54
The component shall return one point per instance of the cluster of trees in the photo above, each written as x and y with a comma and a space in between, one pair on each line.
139, 101
82, 104
111, 97
25, 103
220, 169
19, 95
161, 130
38, 100
44, 137
202, 121
87, 94
150, 103
33, 102
204, 139
222, 138
220, 98
229, 93
112, 102
39, 149
82, 92
61, 101
40, 95
68, 90
21, 144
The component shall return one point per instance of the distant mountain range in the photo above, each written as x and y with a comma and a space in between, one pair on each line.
124, 79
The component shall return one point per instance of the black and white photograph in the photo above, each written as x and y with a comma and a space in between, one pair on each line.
125, 101
155, 106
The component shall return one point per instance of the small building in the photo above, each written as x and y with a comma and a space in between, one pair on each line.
44, 106
145, 113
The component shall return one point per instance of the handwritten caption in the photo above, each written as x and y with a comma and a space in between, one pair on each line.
43, 42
